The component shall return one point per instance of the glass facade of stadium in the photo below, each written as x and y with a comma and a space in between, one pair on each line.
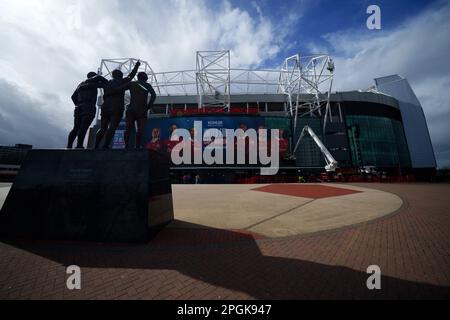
370, 134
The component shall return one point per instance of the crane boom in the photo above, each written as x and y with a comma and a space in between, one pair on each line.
330, 161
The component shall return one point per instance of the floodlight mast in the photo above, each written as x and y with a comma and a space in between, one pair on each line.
290, 84
310, 75
290, 76
213, 78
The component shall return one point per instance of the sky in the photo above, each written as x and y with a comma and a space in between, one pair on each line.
48, 46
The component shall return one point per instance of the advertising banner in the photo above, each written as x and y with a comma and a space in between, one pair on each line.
159, 132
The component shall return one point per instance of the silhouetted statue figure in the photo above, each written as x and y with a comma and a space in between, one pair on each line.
85, 100
137, 111
113, 105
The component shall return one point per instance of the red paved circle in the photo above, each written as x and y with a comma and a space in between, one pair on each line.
306, 191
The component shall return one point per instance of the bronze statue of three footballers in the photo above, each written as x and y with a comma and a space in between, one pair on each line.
85, 99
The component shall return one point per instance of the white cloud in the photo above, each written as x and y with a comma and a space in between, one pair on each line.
49, 45
419, 50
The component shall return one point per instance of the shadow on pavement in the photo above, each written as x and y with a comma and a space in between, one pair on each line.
237, 264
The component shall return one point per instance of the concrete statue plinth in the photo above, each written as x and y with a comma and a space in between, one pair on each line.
89, 195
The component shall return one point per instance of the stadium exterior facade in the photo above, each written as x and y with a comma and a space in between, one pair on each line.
381, 127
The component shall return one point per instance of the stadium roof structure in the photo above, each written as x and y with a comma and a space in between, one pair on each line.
214, 80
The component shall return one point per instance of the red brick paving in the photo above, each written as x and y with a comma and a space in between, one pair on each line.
196, 236
411, 247
306, 191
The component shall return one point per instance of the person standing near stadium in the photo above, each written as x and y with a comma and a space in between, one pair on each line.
113, 105
85, 100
